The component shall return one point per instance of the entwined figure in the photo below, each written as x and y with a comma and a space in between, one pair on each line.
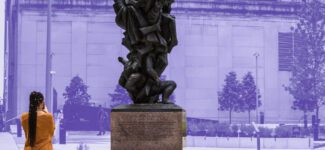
150, 34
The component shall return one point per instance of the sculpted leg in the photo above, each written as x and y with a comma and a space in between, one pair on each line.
170, 86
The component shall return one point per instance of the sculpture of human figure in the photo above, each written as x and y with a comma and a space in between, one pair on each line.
150, 34
134, 82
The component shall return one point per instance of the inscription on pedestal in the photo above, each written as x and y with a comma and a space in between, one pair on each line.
149, 127
146, 130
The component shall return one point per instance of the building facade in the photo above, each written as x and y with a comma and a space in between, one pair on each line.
215, 37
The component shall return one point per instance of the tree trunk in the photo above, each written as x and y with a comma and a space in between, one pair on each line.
316, 130
305, 120
249, 116
230, 116
317, 114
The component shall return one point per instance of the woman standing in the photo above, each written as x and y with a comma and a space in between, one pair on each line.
38, 124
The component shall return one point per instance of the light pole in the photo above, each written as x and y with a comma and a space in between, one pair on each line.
48, 83
256, 82
6, 57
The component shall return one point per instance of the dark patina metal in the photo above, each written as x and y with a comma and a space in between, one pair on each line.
150, 34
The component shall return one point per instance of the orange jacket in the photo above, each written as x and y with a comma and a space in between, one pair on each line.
44, 131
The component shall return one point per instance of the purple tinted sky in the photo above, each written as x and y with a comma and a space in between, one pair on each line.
2, 15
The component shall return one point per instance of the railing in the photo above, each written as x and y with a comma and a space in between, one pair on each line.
69, 2
110, 2
259, 7
12, 119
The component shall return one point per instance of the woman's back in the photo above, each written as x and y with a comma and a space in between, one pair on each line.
44, 131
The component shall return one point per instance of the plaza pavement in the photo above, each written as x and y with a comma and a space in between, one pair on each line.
7, 142
12, 142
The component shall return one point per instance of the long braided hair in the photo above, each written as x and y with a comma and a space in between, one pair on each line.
35, 99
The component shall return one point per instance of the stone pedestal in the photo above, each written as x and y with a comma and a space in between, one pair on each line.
147, 127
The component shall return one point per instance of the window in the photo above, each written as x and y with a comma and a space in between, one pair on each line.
288, 43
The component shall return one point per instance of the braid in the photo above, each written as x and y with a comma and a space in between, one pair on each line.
35, 99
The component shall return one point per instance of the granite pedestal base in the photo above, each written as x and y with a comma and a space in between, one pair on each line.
147, 127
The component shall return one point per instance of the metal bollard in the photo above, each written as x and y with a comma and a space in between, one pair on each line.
62, 133
258, 140
18, 123
2, 124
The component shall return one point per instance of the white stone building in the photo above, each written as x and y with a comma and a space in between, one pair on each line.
215, 37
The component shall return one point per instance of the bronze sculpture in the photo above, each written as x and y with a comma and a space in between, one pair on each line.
150, 34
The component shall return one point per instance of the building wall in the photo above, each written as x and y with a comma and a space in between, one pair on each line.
212, 46
88, 43
87, 46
